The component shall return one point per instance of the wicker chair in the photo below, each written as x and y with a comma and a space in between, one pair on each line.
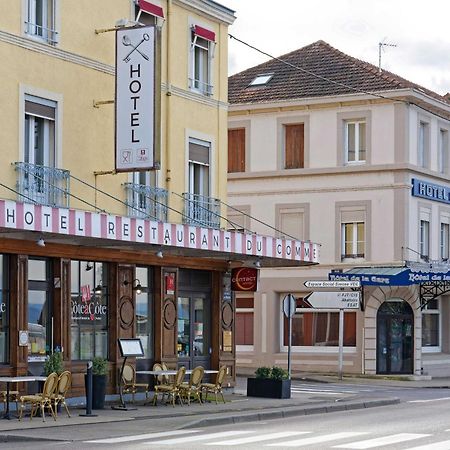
59, 396
129, 382
43, 400
192, 388
215, 388
172, 390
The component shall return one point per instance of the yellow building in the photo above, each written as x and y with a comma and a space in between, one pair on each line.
78, 237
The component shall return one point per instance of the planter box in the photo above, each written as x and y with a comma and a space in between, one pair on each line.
259, 387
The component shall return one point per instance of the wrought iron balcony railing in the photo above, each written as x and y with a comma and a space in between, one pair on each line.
43, 185
201, 211
146, 202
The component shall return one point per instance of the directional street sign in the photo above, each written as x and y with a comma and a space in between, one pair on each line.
333, 300
289, 305
334, 284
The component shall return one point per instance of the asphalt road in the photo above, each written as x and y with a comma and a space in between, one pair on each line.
421, 421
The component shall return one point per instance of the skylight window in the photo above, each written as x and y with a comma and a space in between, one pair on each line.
261, 80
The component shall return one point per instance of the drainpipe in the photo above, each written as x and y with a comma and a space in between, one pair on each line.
168, 94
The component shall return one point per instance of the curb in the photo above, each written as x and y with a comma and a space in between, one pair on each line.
289, 412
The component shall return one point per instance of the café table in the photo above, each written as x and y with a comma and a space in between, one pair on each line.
9, 380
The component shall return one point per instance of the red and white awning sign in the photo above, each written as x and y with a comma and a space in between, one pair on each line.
71, 222
205, 33
151, 8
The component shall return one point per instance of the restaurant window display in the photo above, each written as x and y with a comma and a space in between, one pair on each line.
89, 310
4, 303
144, 311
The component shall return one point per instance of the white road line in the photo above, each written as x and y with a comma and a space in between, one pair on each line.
430, 400
443, 445
202, 437
316, 440
385, 440
139, 437
318, 392
264, 437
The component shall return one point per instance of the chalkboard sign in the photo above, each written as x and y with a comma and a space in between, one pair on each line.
131, 347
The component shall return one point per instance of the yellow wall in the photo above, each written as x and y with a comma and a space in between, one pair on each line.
79, 70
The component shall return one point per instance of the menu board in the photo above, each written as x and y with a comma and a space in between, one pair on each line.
131, 347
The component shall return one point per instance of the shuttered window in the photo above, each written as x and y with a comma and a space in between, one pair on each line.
294, 146
244, 321
236, 150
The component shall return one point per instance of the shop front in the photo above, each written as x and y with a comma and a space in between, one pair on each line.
98, 278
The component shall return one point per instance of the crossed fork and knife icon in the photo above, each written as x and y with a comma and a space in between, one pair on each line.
127, 42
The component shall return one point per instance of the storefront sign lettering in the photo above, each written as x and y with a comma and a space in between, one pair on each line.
2, 308
430, 191
244, 279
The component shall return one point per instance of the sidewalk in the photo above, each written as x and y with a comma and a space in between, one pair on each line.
238, 408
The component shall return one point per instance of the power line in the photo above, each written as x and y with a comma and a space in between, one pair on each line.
337, 83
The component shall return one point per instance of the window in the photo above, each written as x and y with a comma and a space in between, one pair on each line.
244, 322
199, 167
355, 142
202, 51
444, 241
153, 14
291, 221
40, 20
238, 218
89, 315
294, 146
321, 329
353, 240
144, 311
431, 326
422, 145
4, 309
424, 242
443, 151
261, 80
236, 150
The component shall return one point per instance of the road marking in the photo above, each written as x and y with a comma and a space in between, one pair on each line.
443, 445
202, 437
430, 400
138, 437
317, 439
386, 440
265, 437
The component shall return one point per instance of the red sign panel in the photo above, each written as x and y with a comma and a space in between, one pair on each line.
244, 279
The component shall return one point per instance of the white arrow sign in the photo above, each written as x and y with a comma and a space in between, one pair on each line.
333, 300
332, 284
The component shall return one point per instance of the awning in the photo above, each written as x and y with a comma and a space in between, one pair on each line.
204, 33
389, 276
151, 8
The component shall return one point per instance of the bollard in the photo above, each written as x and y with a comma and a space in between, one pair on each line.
88, 381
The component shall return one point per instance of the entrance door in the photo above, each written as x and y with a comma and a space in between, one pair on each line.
193, 344
395, 344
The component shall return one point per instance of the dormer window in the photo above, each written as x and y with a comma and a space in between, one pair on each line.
262, 79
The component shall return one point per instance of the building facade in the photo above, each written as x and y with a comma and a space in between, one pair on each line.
332, 149
90, 254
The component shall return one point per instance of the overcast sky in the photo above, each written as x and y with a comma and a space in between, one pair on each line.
421, 31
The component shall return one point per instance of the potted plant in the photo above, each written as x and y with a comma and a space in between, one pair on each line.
270, 383
99, 378
54, 363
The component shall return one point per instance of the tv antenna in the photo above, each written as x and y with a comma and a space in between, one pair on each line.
381, 46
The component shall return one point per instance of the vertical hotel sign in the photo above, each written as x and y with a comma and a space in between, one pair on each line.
135, 99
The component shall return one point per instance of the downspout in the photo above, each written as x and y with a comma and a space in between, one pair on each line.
168, 94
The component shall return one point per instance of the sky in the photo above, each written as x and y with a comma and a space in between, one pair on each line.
420, 31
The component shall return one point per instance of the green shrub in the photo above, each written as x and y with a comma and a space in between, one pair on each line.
99, 366
263, 372
54, 363
278, 373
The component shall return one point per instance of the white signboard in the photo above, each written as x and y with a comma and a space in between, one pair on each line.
135, 98
332, 284
333, 300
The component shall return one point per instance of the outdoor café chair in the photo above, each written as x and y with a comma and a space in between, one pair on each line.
129, 382
193, 387
13, 395
215, 388
172, 390
43, 400
59, 396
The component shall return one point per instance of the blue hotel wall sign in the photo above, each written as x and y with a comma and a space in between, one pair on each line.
430, 191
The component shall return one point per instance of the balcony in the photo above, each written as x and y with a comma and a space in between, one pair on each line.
43, 185
201, 211
146, 202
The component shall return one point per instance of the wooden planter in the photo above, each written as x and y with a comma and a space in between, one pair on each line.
260, 387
